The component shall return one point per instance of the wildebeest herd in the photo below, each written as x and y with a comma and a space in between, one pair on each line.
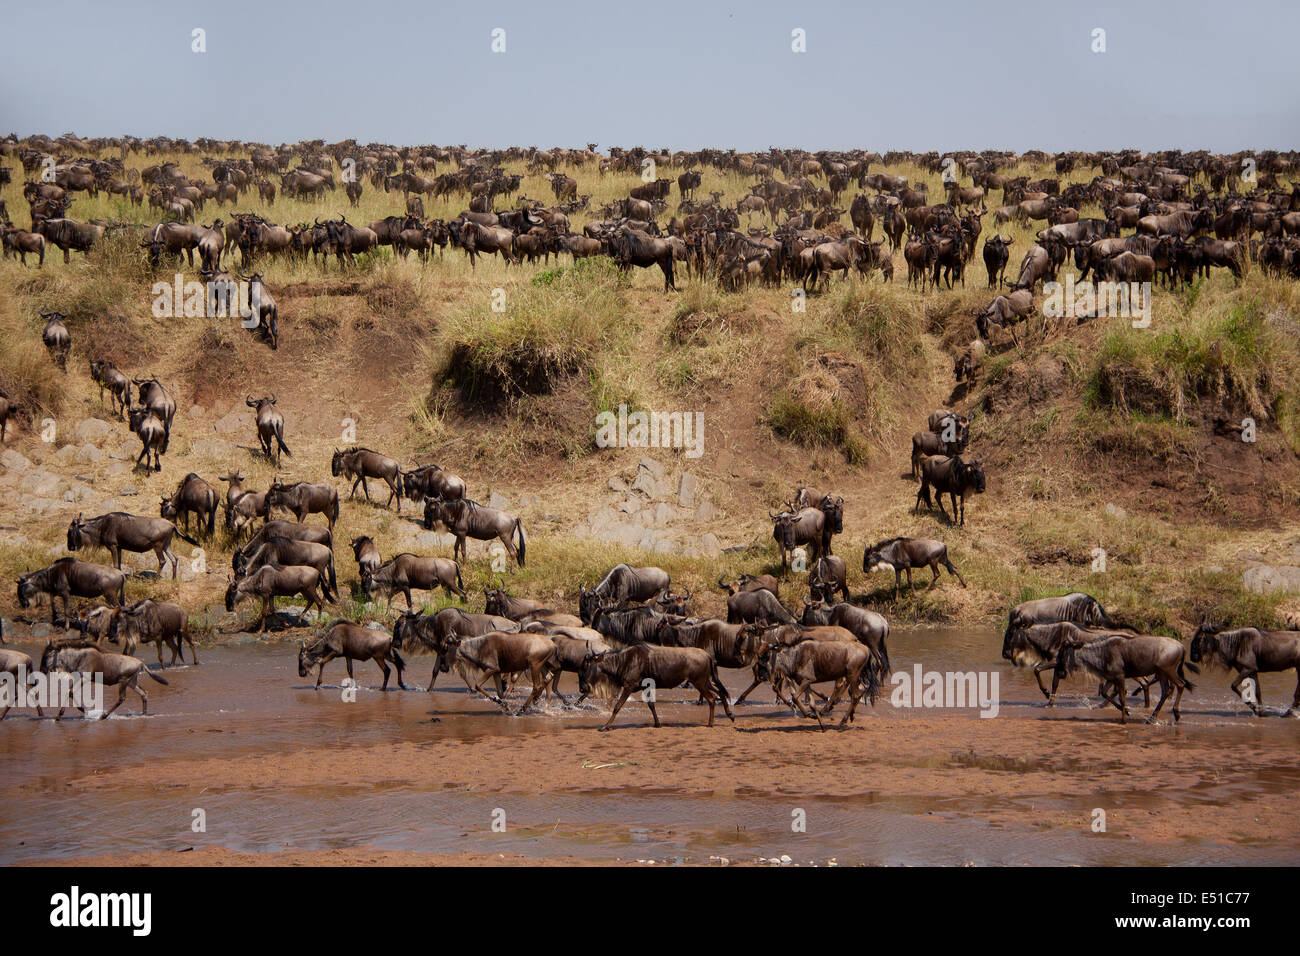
1188, 212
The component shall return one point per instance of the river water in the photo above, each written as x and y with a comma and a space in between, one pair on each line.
247, 699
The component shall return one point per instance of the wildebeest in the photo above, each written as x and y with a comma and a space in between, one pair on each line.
19, 242
352, 642
84, 657
278, 551
751, 582
1076, 607
241, 506
263, 308
1113, 659
153, 398
996, 255
152, 432
193, 496
1040, 644
14, 663
827, 575
407, 571
118, 531
157, 622
812, 662
464, 518
497, 655
792, 530
67, 578
869, 627
757, 606
362, 463
1250, 650
1004, 312
269, 582
301, 499
928, 443
650, 669
108, 376
57, 339
432, 630
904, 554
431, 481
270, 426
367, 554
953, 477
622, 585
629, 247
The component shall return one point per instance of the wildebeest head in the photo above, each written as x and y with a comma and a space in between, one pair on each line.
815, 612
265, 402
75, 533
970, 474
336, 463
783, 529
1205, 642
450, 647
167, 508
833, 509
231, 591
27, 590
589, 672
304, 662
670, 603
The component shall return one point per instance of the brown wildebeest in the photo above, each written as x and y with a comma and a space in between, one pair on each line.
497, 655
366, 552
352, 642
1113, 659
118, 531
268, 583
826, 576
278, 551
757, 606
953, 477
193, 496
1004, 312
788, 635
84, 657
282, 529
814, 662
68, 578
928, 443
270, 426
868, 627
904, 554
751, 582
301, 499
1040, 644
152, 432
623, 585
362, 463
407, 571
648, 668
793, 529
241, 506
108, 376
431, 481
432, 631
497, 601
19, 242
159, 622
1250, 650
464, 517
58, 341
7, 410
630, 247
15, 662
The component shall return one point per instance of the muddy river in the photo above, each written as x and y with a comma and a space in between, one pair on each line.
242, 754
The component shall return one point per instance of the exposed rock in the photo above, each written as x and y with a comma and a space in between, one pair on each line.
646, 484
709, 543
707, 511
618, 484
89, 453
92, 430
498, 501
687, 487
1271, 579
655, 468
1115, 511
13, 461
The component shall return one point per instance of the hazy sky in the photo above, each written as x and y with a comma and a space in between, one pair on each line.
940, 74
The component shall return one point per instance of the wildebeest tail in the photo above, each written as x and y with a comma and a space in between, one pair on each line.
185, 537
160, 679
461, 584
1183, 677
279, 438
396, 658
333, 581
519, 526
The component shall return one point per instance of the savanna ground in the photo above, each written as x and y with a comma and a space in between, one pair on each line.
1093, 436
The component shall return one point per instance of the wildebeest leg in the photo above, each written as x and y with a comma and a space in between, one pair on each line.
934, 568
1164, 694
910, 585
1038, 671
120, 698
750, 689
538, 676
383, 666
355, 481
1253, 676
627, 691
347, 661
650, 702
898, 579
433, 677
